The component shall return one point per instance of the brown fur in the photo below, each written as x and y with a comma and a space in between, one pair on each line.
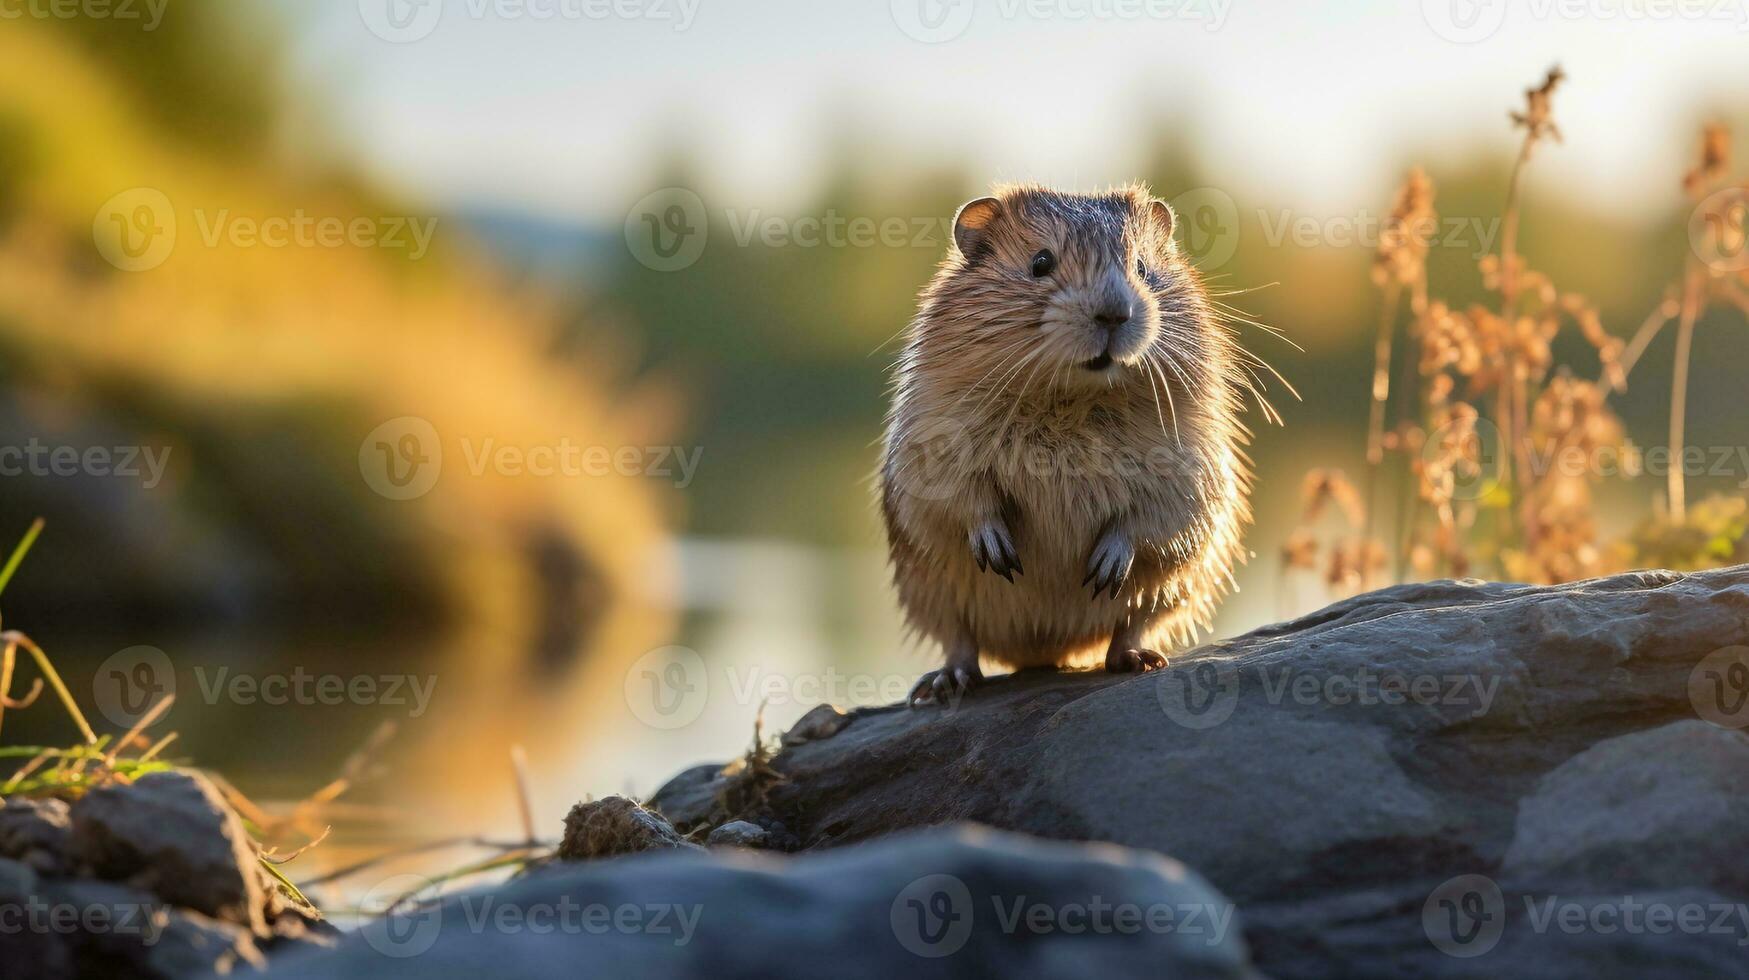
996, 415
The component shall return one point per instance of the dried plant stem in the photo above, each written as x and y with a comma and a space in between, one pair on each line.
1666, 310
54, 679
1509, 401
1679, 394
524, 795
1381, 393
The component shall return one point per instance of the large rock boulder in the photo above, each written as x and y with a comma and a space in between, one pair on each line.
1450, 778
943, 903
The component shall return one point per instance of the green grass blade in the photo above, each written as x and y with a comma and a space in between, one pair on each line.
19, 552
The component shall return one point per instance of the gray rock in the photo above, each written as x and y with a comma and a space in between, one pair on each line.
739, 833
172, 834
1333, 773
35, 832
71, 928
613, 826
1659, 809
945, 903
29, 950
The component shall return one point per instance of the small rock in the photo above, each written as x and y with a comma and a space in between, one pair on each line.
614, 826
35, 832
824, 721
739, 833
172, 834
691, 799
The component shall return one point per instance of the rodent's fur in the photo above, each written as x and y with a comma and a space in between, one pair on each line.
1002, 418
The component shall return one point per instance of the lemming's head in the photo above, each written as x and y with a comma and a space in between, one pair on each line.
1084, 287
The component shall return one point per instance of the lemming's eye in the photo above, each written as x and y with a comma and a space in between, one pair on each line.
1141, 267
1043, 263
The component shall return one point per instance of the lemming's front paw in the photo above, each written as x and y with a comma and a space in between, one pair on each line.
1108, 568
946, 686
993, 550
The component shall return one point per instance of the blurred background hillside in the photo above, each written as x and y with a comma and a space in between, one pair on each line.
639, 235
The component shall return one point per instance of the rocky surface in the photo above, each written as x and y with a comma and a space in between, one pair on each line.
153, 880
1451, 778
941, 903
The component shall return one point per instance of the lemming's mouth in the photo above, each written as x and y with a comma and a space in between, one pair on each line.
1099, 363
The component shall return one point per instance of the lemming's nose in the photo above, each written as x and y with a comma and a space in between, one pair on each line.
1114, 314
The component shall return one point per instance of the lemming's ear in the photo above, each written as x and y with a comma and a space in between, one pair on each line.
972, 222
1163, 216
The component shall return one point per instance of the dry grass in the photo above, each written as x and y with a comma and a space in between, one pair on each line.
1480, 413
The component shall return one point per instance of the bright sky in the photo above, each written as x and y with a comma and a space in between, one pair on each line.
563, 114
